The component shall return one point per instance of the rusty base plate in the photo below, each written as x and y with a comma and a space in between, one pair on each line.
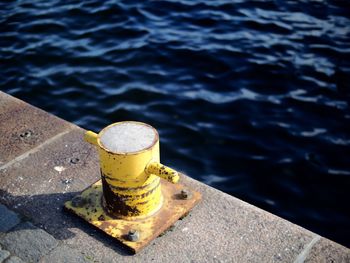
175, 206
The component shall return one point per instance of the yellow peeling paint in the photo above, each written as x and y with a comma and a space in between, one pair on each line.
134, 176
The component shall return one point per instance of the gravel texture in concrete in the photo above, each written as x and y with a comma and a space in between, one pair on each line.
28, 242
24, 127
64, 254
14, 259
326, 251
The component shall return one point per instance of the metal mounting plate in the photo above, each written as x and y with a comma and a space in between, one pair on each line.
174, 207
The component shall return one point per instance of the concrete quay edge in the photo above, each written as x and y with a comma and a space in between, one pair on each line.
44, 162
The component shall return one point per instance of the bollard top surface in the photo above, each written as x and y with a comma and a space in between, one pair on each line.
128, 137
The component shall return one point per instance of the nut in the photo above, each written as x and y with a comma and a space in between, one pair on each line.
78, 201
185, 194
133, 235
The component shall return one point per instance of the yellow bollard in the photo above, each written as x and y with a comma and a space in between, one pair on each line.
137, 198
130, 180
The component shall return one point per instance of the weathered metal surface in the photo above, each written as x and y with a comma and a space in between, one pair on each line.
163, 172
116, 203
134, 233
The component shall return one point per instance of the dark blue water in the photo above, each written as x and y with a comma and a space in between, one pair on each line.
251, 97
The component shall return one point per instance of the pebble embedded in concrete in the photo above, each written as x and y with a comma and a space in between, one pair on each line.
4, 254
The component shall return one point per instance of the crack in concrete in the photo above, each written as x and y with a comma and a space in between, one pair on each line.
34, 150
302, 256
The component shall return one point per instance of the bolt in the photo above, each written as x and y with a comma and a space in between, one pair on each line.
78, 201
185, 194
133, 235
74, 160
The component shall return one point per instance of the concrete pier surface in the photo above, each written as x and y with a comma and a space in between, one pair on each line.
45, 162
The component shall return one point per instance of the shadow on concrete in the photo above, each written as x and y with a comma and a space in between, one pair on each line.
47, 212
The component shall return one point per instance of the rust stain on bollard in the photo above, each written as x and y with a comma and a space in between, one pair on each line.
115, 203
